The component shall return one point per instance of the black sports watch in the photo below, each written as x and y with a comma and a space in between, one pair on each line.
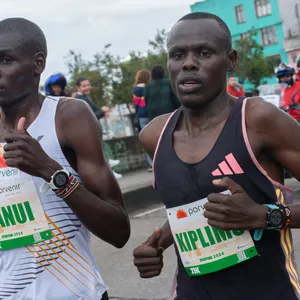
275, 217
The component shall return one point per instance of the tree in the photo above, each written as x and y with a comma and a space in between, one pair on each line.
251, 64
156, 55
113, 79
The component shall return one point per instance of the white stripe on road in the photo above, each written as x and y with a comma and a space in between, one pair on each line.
148, 212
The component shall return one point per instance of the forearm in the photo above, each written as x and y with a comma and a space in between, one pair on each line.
104, 219
295, 215
166, 239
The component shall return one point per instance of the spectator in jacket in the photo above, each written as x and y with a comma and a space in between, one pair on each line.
159, 96
141, 80
234, 88
55, 85
83, 91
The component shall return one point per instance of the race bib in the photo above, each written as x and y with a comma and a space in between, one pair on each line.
22, 218
6, 173
204, 249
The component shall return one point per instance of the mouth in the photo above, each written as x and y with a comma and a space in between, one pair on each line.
189, 84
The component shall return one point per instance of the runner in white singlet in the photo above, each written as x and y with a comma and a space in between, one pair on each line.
49, 255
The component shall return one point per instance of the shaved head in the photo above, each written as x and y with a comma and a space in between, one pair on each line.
27, 35
208, 16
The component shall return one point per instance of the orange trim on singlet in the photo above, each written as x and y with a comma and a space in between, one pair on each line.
47, 269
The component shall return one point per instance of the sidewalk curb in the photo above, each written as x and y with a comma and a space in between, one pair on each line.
140, 197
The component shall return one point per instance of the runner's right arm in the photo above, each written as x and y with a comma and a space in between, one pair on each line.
148, 256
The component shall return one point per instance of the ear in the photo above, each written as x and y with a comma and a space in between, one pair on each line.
40, 62
232, 59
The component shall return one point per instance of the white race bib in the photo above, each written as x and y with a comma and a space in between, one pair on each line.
22, 218
204, 249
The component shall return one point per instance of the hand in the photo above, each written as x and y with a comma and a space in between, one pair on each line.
234, 212
148, 257
25, 153
237, 84
105, 109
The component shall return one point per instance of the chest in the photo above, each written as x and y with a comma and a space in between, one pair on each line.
193, 149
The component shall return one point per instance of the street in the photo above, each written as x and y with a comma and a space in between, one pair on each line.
116, 265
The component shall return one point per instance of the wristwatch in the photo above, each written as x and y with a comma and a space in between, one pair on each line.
59, 180
275, 217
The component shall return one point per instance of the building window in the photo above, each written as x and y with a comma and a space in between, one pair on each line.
245, 35
269, 35
240, 14
263, 8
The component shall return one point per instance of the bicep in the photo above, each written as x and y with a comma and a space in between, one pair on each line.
85, 139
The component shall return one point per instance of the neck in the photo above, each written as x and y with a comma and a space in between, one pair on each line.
209, 115
28, 107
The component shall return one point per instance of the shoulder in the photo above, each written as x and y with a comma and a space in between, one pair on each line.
150, 135
75, 121
67, 107
259, 112
265, 121
73, 112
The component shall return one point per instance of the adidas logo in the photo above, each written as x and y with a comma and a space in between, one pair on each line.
229, 166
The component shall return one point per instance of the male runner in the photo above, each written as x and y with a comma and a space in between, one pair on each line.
215, 143
58, 141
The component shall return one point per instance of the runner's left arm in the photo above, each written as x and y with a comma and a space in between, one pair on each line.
98, 202
281, 138
277, 135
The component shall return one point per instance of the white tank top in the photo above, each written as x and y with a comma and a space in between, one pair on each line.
62, 268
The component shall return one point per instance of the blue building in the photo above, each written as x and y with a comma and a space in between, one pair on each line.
242, 16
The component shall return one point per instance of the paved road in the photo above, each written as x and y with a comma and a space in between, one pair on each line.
116, 265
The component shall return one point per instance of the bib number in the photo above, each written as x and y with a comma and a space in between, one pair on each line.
22, 218
204, 249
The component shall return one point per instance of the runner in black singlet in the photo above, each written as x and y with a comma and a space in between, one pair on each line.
245, 144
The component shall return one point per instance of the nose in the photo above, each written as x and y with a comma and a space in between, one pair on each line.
191, 63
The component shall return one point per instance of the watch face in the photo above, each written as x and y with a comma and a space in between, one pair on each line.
60, 180
275, 218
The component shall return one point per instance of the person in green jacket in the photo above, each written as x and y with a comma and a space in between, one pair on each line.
159, 96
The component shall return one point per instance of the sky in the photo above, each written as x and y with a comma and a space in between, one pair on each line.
87, 26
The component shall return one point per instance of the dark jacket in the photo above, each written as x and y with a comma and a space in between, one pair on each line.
95, 108
160, 98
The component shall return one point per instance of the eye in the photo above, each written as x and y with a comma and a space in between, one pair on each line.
204, 54
6, 60
177, 55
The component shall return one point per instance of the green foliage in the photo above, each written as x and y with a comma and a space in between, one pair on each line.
111, 78
251, 64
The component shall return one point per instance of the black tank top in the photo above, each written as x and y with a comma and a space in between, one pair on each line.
272, 274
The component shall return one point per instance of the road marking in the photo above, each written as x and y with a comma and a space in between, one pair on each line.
148, 212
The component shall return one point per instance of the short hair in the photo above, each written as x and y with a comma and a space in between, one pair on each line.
79, 80
158, 72
31, 37
204, 15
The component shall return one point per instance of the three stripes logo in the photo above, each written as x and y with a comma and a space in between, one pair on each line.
229, 166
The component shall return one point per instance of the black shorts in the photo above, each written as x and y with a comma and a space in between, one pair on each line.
105, 296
